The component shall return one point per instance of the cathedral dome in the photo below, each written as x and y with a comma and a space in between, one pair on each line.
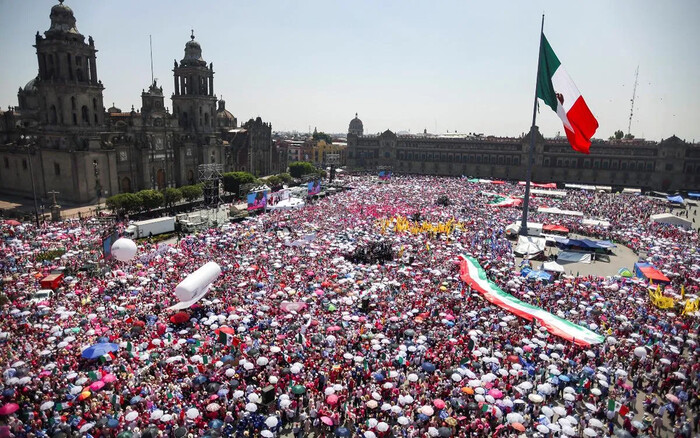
193, 53
356, 126
62, 19
31, 86
224, 118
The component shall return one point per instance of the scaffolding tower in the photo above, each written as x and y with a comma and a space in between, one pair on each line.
210, 176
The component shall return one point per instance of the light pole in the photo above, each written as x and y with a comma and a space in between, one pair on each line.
29, 140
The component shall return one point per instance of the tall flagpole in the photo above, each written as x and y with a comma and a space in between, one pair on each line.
533, 132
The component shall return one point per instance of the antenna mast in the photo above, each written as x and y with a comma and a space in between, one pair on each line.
634, 95
150, 42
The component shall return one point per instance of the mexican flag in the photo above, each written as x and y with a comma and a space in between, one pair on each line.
475, 276
558, 91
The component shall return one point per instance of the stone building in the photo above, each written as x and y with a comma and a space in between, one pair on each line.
671, 164
61, 138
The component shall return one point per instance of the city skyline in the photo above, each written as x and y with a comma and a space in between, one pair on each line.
402, 66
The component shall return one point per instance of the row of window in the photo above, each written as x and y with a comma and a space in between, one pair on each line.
507, 160
598, 163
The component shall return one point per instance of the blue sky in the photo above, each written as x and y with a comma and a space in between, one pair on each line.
402, 65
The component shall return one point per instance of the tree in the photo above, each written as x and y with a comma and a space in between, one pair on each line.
285, 177
191, 193
150, 199
124, 203
629, 136
619, 134
234, 180
274, 181
299, 168
322, 136
171, 195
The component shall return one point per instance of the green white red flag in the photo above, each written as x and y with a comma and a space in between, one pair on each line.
474, 275
558, 91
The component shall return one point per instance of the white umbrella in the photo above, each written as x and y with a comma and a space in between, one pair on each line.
213, 407
131, 416
155, 415
542, 428
192, 413
251, 407
271, 422
46, 405
590, 432
86, 427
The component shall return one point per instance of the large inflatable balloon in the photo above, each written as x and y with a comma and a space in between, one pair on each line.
196, 285
124, 249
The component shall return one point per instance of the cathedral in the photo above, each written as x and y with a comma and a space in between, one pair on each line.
61, 141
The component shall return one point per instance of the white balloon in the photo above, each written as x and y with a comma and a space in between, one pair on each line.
124, 249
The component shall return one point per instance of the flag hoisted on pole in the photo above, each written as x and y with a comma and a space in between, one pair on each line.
558, 91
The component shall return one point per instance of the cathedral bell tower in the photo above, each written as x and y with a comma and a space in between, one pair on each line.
194, 102
70, 94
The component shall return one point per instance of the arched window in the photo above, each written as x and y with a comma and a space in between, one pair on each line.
126, 185
52, 115
185, 120
206, 119
85, 115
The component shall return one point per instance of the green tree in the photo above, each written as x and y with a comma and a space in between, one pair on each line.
191, 193
619, 134
299, 168
322, 136
150, 199
285, 177
234, 180
124, 203
629, 136
171, 195
274, 181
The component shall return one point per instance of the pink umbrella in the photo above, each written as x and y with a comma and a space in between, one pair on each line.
9, 408
327, 421
495, 393
96, 386
333, 328
438, 403
109, 378
332, 399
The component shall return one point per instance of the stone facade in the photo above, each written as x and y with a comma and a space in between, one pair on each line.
61, 136
671, 164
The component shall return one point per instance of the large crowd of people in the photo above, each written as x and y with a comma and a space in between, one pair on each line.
299, 335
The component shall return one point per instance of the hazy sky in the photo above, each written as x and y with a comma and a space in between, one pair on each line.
402, 65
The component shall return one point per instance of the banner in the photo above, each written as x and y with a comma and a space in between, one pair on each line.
257, 200
475, 276
384, 175
314, 188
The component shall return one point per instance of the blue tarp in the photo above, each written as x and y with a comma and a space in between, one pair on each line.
694, 195
677, 199
586, 243
535, 275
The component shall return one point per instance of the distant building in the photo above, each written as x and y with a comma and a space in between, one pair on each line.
61, 135
671, 164
356, 127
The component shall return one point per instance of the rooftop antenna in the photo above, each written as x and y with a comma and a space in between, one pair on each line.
150, 42
634, 95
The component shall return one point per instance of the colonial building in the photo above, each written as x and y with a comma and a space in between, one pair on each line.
60, 138
671, 164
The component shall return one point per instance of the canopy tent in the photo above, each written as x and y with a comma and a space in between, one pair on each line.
533, 229
530, 246
671, 219
549, 193
532, 274
647, 271
553, 267
475, 276
556, 228
288, 204
677, 199
574, 257
596, 223
585, 244
556, 210
694, 195
540, 185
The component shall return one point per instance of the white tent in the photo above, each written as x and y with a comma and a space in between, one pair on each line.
552, 267
529, 246
574, 257
288, 204
596, 223
672, 219
556, 210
